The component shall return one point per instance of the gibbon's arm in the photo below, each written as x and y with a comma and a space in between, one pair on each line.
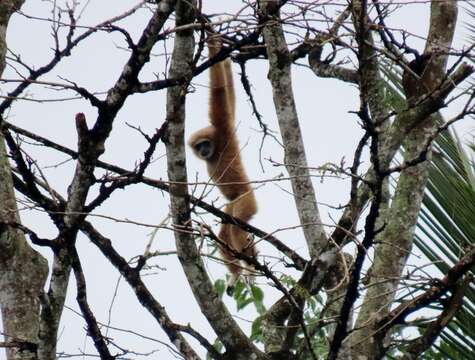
230, 87
222, 98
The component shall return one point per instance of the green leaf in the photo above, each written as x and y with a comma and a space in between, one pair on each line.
256, 330
243, 302
239, 290
258, 298
257, 293
220, 287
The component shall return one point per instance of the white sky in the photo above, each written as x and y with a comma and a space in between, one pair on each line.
330, 134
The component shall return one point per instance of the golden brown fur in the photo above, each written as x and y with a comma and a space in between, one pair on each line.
221, 153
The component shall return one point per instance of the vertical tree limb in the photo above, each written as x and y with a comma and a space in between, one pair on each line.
392, 254
294, 158
294, 151
53, 303
23, 270
372, 97
220, 319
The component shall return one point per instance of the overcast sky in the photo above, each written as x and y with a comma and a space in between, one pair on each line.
330, 135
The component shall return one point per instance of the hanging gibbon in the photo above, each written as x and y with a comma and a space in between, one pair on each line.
218, 145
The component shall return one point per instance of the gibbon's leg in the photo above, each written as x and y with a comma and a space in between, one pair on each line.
242, 241
243, 208
233, 264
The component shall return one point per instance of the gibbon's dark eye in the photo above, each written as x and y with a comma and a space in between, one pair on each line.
205, 149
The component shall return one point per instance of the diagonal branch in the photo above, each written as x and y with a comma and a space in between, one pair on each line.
434, 293
433, 330
132, 276
298, 261
81, 297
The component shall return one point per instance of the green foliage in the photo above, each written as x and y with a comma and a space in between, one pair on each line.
256, 330
258, 299
245, 294
287, 280
220, 287
242, 295
447, 226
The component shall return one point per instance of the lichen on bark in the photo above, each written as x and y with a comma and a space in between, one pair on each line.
23, 270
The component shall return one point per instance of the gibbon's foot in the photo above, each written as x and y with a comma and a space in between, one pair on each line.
230, 290
231, 283
247, 278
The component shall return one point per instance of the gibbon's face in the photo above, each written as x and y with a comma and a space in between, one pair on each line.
202, 142
204, 148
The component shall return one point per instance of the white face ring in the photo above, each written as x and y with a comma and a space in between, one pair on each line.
204, 149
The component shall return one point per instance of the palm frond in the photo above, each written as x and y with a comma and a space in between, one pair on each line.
446, 223
446, 226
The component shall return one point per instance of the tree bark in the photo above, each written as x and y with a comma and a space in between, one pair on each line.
23, 271
294, 151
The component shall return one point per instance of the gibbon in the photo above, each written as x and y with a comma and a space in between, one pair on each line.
218, 145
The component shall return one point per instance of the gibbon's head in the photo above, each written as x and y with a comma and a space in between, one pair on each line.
204, 149
203, 144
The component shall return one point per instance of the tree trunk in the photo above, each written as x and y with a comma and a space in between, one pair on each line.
23, 271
